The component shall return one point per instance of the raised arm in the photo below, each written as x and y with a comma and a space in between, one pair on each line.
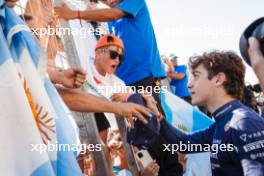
175, 136
101, 15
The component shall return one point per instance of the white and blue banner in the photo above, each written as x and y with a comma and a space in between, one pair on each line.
183, 115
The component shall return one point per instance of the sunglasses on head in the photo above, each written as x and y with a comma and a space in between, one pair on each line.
114, 54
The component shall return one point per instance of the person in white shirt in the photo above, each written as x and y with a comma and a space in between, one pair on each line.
101, 79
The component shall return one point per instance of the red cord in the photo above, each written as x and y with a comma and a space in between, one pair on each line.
79, 17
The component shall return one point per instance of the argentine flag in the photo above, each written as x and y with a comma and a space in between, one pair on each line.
25, 58
18, 129
189, 119
53, 123
67, 133
183, 115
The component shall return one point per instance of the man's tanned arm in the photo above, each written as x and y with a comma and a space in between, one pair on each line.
101, 15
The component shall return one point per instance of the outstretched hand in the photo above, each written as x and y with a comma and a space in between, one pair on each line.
130, 110
73, 77
63, 11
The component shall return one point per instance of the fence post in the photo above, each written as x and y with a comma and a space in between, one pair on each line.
87, 119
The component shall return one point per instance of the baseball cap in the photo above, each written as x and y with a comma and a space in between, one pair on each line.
173, 57
143, 135
108, 40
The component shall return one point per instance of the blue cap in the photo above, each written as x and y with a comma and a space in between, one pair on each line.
143, 135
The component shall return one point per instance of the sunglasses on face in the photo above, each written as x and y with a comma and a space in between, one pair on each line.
114, 54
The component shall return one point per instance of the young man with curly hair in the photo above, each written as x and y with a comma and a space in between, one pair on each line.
238, 132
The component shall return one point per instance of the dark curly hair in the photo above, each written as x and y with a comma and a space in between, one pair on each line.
226, 62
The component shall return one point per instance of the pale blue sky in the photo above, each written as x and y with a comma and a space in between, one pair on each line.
185, 27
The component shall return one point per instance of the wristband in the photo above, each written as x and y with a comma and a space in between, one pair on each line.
159, 116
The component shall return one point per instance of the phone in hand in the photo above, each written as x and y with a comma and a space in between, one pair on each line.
144, 157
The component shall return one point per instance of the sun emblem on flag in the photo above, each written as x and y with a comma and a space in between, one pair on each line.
183, 127
41, 117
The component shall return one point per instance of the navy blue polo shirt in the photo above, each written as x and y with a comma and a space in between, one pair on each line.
236, 125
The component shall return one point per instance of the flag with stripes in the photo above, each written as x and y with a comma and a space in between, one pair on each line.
20, 135
54, 125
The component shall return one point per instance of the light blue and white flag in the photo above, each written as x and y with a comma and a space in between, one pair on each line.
18, 129
46, 101
183, 115
25, 58
188, 118
67, 133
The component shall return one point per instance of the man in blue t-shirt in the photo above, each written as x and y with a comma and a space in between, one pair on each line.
179, 79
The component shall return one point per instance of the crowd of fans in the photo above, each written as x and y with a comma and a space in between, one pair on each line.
216, 80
